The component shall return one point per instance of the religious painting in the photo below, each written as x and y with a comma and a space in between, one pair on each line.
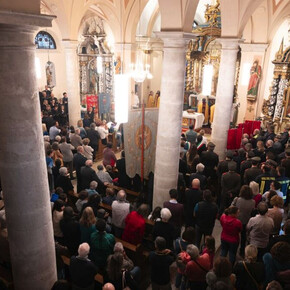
92, 101
93, 77
287, 103
50, 74
255, 76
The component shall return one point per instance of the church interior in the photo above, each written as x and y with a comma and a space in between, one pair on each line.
155, 78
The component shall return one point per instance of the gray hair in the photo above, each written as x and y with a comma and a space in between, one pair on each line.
118, 247
93, 184
193, 251
255, 187
63, 171
84, 250
165, 214
46, 138
199, 167
89, 163
57, 138
121, 195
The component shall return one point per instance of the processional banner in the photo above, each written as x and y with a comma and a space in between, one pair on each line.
92, 101
133, 141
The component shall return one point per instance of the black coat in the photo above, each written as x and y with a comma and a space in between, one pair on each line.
88, 175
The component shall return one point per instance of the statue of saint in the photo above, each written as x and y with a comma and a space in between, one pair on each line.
254, 81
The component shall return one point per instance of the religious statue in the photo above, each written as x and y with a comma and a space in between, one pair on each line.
212, 13
254, 81
50, 74
150, 100
157, 99
117, 64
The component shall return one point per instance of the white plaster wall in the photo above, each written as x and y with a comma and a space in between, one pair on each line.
58, 58
270, 56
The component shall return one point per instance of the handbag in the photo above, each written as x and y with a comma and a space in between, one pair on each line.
259, 287
124, 286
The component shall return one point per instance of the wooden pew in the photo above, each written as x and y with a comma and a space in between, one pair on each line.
128, 191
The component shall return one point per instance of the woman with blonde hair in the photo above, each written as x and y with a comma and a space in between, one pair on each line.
87, 224
249, 273
83, 132
257, 197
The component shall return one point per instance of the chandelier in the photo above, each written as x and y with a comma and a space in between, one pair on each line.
139, 71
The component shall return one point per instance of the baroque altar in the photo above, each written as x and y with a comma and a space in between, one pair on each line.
276, 108
96, 69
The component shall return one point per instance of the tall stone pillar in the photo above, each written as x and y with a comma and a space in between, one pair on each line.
224, 95
170, 115
72, 81
22, 160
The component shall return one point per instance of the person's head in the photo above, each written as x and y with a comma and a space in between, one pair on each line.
232, 166
100, 167
108, 286
277, 201
266, 168
160, 243
281, 252
86, 141
58, 190
195, 183
109, 145
123, 154
101, 225
199, 139
232, 211
222, 267
165, 214
63, 197
274, 285
94, 200
256, 132
109, 168
242, 153
255, 187
58, 205
210, 243
251, 253
156, 213
189, 235
192, 251
143, 210
262, 208
80, 149
201, 132
54, 146
57, 163
110, 191
207, 196
63, 171
93, 185
80, 123
84, 250
190, 127
199, 168
68, 213
118, 248
281, 171
77, 131
89, 163
63, 139
246, 192
88, 217
83, 195
93, 126
275, 185
210, 146
260, 145
255, 161
173, 193
229, 155
121, 195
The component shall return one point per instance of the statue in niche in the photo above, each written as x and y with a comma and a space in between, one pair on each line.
50, 74
93, 78
254, 81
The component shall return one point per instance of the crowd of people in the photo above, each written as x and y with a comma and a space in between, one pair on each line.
247, 193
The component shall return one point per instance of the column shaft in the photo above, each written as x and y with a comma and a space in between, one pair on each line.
22, 160
170, 116
224, 96
72, 81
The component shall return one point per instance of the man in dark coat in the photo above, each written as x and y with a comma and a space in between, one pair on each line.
94, 137
123, 179
252, 173
88, 174
79, 161
192, 197
210, 160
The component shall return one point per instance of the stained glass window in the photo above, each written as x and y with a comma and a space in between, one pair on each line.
44, 40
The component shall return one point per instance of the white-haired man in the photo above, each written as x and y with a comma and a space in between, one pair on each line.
88, 174
199, 175
63, 181
164, 229
82, 270
120, 209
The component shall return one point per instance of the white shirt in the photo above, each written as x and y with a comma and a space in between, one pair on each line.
103, 132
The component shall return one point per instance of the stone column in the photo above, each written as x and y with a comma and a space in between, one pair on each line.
170, 115
224, 95
72, 80
22, 160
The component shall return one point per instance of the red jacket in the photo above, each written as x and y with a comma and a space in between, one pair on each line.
231, 228
134, 228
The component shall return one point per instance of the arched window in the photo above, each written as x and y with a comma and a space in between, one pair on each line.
44, 40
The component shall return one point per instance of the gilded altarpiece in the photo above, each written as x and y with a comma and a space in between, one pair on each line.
276, 107
96, 68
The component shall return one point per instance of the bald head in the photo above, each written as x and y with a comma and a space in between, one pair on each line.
121, 195
108, 286
80, 149
89, 163
195, 183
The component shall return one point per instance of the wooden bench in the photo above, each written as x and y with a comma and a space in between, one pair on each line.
128, 191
